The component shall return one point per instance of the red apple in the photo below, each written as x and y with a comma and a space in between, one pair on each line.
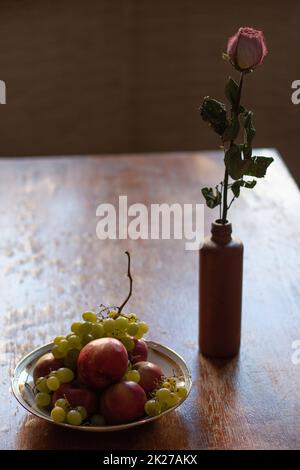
102, 362
151, 375
139, 352
45, 365
122, 403
77, 397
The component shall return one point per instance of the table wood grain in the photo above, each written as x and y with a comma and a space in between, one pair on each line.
53, 267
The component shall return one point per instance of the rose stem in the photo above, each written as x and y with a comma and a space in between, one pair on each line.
234, 110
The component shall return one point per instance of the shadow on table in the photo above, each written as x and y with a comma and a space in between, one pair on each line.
36, 434
218, 391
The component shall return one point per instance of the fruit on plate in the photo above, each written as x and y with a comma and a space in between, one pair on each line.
139, 352
98, 374
102, 362
106, 323
171, 392
63, 412
46, 364
52, 381
77, 397
132, 375
123, 402
151, 375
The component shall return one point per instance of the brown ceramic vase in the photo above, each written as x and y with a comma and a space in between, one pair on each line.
220, 302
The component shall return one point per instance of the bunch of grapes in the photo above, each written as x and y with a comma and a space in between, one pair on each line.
75, 386
64, 413
169, 394
46, 385
125, 328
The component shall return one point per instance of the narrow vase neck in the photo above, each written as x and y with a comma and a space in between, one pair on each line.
221, 233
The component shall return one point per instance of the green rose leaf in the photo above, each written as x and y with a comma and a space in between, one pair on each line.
231, 132
237, 185
249, 131
258, 166
212, 199
234, 163
214, 112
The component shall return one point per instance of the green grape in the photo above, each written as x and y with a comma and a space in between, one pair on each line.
89, 316
163, 394
138, 335
132, 317
62, 403
181, 391
117, 334
133, 375
74, 341
86, 339
172, 400
82, 411
113, 314
74, 417
132, 329
58, 339
42, 399
75, 327
121, 323
108, 325
97, 330
58, 414
41, 385
63, 346
172, 381
97, 420
53, 383
71, 358
85, 328
152, 408
166, 385
128, 342
143, 327
163, 406
57, 353
65, 375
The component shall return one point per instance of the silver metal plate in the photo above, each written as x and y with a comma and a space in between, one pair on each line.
22, 382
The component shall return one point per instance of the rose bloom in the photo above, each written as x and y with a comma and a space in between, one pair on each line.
247, 49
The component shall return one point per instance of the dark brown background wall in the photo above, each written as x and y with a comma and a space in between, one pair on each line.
87, 76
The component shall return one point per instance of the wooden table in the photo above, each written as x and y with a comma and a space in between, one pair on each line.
53, 267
